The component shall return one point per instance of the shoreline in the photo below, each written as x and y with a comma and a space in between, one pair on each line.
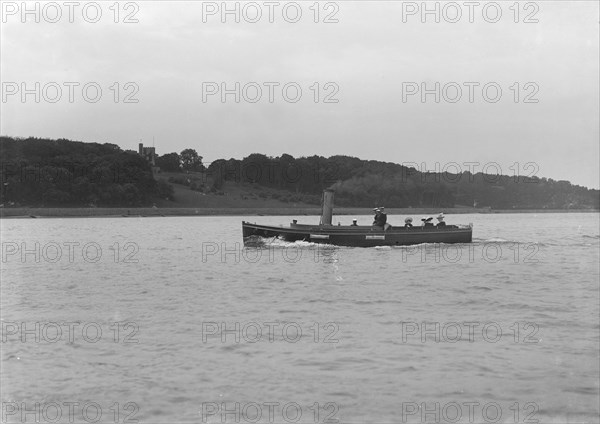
301, 211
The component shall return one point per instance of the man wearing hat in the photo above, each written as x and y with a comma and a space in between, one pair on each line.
380, 218
440, 219
376, 210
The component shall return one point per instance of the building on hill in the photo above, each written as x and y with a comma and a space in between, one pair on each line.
149, 153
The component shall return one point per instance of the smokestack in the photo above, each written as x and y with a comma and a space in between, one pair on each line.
327, 206
141, 147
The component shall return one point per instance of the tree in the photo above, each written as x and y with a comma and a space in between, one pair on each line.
43, 172
171, 162
190, 160
165, 190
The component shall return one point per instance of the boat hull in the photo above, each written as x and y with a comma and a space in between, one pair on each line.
358, 236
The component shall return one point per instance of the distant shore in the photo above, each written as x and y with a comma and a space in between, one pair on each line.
292, 211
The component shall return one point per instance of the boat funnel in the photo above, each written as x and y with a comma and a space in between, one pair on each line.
327, 211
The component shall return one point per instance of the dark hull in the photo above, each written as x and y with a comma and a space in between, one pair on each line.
359, 236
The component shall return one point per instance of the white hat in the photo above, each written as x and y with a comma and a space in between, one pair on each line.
408, 220
440, 216
429, 218
375, 209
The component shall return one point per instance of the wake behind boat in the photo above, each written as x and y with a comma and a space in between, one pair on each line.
356, 235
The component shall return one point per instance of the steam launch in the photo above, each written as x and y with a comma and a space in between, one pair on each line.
357, 235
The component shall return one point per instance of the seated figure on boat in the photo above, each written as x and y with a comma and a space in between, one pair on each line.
377, 212
427, 221
380, 219
408, 223
354, 222
440, 219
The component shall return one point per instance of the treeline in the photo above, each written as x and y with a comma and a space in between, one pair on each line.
52, 173
366, 183
187, 160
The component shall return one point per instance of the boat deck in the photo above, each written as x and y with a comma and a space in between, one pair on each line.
361, 235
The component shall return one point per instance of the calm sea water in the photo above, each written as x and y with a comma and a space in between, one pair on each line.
171, 320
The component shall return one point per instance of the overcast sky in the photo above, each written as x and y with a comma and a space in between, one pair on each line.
366, 70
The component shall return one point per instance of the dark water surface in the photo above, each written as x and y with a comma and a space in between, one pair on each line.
173, 321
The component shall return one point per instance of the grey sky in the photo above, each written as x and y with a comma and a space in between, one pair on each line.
368, 55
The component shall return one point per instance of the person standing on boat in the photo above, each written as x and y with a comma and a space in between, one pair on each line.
440, 219
382, 216
376, 210
380, 219
383, 219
